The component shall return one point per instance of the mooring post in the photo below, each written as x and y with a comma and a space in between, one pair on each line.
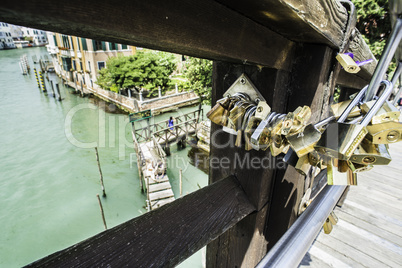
51, 84
101, 208
180, 178
100, 172
58, 91
160, 92
177, 89
42, 82
37, 78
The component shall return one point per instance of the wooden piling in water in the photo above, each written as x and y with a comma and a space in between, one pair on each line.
51, 84
101, 208
58, 91
37, 78
100, 172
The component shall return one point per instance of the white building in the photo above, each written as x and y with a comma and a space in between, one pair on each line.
34, 36
6, 39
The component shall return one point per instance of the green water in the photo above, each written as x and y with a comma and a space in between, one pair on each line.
49, 177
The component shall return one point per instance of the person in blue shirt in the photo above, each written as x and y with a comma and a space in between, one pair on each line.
170, 123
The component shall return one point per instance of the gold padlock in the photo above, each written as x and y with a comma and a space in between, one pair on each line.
278, 145
217, 114
235, 118
341, 172
304, 141
340, 140
303, 165
387, 112
348, 64
385, 133
251, 126
371, 154
327, 226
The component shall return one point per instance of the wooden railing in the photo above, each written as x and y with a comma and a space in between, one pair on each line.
185, 124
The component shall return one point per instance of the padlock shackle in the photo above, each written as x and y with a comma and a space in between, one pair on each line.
352, 104
378, 104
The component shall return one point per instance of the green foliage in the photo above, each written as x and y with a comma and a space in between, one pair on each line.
199, 76
145, 69
373, 21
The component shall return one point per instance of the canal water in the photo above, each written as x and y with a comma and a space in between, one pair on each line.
49, 176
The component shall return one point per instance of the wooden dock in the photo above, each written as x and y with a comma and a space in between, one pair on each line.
156, 182
369, 230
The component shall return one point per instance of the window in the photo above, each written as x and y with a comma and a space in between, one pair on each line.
112, 46
99, 45
66, 64
55, 40
123, 46
81, 67
66, 43
74, 65
78, 42
84, 44
27, 32
101, 65
89, 66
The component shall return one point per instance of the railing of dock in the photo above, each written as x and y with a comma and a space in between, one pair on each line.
185, 124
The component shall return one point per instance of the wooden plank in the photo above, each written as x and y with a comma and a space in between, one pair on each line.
159, 186
365, 223
358, 254
154, 239
161, 194
161, 202
203, 29
376, 218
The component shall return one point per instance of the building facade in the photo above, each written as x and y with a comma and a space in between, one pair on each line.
34, 36
6, 39
78, 59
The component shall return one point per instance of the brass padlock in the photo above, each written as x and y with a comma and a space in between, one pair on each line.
327, 226
303, 165
371, 154
361, 168
340, 140
301, 117
262, 138
387, 112
217, 114
236, 116
341, 172
279, 145
304, 141
348, 64
385, 133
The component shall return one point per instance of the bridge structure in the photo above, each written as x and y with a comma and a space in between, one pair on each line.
286, 47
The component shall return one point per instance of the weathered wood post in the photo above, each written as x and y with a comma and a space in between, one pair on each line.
52, 86
103, 214
100, 172
58, 91
274, 189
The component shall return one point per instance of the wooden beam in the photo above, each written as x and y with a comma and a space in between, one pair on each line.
245, 244
313, 21
163, 237
204, 29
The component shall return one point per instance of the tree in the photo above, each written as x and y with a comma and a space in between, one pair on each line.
199, 76
373, 22
144, 70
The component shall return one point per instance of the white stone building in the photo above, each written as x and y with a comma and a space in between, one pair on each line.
6, 39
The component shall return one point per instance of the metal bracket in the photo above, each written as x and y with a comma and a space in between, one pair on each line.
244, 85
